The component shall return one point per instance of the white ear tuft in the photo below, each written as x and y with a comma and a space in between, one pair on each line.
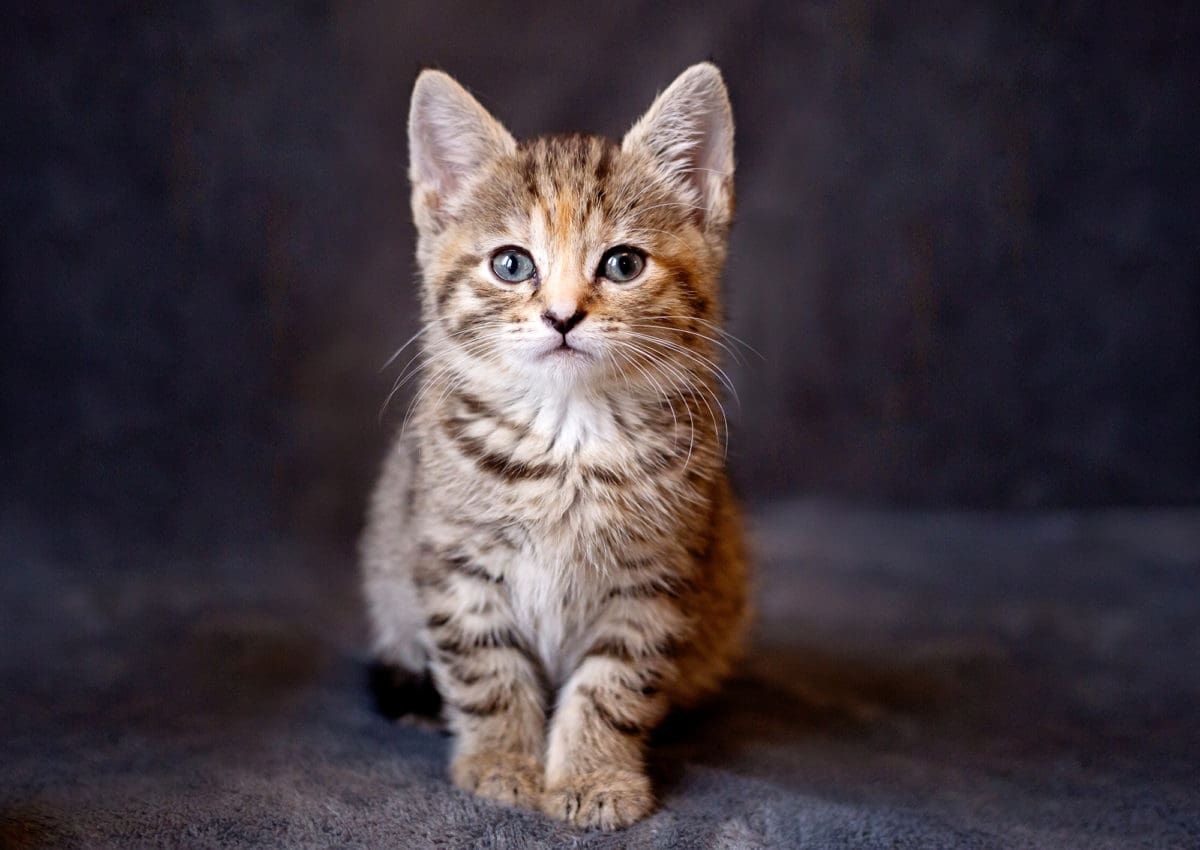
689, 132
450, 136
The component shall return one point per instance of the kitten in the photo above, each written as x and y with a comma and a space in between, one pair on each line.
553, 538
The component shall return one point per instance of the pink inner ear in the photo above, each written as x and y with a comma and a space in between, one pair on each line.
442, 143
450, 134
712, 155
689, 129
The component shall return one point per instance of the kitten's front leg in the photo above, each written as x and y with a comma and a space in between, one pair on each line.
595, 766
491, 684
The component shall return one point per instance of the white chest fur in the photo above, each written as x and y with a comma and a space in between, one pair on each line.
576, 425
558, 579
555, 593
553, 604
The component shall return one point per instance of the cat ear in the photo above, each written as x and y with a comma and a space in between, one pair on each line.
689, 133
450, 137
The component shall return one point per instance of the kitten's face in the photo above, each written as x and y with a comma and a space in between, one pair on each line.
571, 258
574, 259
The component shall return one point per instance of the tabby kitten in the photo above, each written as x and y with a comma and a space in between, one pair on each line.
553, 538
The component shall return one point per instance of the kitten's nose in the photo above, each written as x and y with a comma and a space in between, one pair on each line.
552, 318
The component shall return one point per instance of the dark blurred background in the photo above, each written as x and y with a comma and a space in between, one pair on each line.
966, 245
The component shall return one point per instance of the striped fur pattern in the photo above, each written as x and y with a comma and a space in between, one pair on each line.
553, 537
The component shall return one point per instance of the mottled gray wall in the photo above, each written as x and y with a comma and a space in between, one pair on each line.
966, 248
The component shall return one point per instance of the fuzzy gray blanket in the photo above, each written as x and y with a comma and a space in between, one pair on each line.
917, 680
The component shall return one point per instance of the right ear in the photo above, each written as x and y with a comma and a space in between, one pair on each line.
450, 137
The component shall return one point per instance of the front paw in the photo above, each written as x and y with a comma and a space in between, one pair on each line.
608, 799
508, 778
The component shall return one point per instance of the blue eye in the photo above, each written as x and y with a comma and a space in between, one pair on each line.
513, 265
621, 265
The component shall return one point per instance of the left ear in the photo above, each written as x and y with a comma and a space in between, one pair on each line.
688, 131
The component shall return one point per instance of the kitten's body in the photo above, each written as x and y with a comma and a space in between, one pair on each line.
553, 537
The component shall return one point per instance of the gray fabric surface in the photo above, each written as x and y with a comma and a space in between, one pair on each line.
919, 680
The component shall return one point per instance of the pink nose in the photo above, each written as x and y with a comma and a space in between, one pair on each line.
555, 319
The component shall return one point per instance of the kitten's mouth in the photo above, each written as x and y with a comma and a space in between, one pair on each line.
564, 350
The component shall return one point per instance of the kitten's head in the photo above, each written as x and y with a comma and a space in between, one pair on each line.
572, 258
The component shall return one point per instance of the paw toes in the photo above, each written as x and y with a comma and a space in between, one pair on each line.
561, 803
604, 800
510, 779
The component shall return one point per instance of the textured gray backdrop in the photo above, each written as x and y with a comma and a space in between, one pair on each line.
966, 247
